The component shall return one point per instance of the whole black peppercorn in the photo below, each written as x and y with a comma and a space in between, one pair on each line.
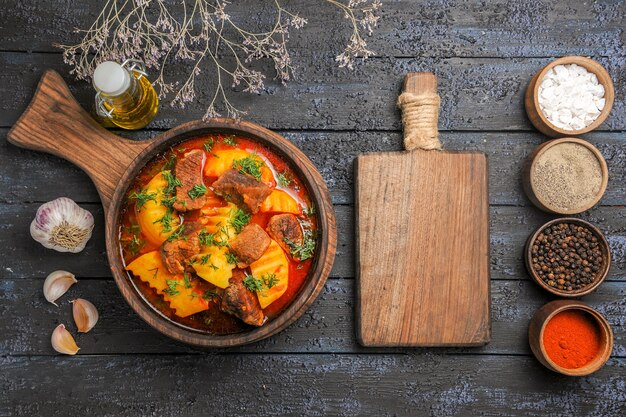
567, 256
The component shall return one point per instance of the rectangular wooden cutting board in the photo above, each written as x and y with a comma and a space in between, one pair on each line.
422, 246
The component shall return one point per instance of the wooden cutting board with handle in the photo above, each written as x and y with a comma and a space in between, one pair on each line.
422, 226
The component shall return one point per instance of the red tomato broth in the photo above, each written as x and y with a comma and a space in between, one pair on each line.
214, 320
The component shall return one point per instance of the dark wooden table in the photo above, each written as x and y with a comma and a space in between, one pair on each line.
484, 53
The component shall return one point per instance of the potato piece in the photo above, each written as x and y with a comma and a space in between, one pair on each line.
280, 202
273, 264
183, 298
221, 161
151, 269
150, 214
212, 266
218, 221
187, 301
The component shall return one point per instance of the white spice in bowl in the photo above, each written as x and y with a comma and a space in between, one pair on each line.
568, 177
571, 97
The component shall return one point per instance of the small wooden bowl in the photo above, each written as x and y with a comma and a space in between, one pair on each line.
604, 247
531, 100
530, 170
545, 314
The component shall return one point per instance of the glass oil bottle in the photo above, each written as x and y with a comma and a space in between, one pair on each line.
125, 97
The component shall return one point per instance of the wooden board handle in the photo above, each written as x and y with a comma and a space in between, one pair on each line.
55, 123
420, 111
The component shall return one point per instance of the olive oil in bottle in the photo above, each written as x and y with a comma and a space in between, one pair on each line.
125, 96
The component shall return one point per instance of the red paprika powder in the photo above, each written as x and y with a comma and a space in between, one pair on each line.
572, 339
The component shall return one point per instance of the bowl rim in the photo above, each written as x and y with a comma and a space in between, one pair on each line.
590, 65
555, 142
318, 192
602, 323
569, 294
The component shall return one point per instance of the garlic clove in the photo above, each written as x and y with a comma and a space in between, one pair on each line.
57, 284
62, 225
63, 342
85, 315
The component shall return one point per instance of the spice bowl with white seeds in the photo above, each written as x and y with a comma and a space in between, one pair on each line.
570, 96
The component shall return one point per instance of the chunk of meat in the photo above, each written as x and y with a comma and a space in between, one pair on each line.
241, 189
241, 302
249, 245
188, 171
177, 253
282, 227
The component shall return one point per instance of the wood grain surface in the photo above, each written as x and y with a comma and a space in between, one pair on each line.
422, 244
55, 123
484, 53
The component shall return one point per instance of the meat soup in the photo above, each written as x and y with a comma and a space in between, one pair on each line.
218, 234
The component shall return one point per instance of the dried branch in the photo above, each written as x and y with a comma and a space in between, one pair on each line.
147, 30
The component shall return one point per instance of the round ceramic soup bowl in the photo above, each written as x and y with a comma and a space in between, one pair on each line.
55, 123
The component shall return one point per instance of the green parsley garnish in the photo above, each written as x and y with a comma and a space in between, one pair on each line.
269, 280
210, 239
186, 280
212, 266
178, 234
134, 228
309, 211
239, 220
208, 145
135, 245
305, 250
166, 220
224, 233
206, 238
255, 284
249, 165
230, 140
168, 202
210, 295
156, 271
252, 283
197, 190
172, 183
171, 287
204, 259
282, 180
231, 258
143, 197
169, 164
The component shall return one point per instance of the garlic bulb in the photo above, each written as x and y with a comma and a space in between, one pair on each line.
63, 342
57, 284
85, 315
62, 225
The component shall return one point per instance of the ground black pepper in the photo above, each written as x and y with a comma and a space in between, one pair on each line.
567, 256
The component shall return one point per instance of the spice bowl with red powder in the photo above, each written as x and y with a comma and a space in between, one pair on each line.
570, 337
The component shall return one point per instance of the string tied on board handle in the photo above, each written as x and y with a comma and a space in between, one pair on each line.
420, 111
